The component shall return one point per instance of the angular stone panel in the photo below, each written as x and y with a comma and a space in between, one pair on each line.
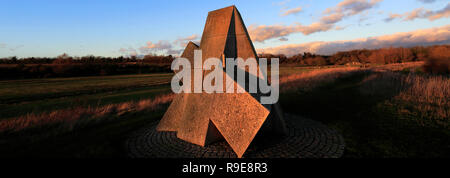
202, 118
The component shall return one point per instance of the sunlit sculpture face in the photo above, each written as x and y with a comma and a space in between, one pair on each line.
203, 118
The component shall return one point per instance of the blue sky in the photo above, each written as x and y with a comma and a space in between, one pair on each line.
113, 28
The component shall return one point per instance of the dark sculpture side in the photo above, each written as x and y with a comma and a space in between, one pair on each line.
202, 118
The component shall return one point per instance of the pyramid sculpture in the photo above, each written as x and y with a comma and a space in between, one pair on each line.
202, 118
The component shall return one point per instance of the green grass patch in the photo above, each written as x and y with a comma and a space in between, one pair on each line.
20, 97
16, 91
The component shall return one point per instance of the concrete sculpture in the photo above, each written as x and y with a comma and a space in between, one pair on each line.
202, 118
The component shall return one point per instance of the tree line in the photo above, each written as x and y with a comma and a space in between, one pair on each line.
68, 66
437, 61
365, 56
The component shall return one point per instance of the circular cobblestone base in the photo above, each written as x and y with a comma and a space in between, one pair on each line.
306, 139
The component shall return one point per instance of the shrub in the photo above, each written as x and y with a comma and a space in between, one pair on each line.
437, 66
438, 61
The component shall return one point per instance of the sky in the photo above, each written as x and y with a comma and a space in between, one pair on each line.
48, 28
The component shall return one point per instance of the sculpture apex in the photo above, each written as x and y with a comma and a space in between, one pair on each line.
202, 118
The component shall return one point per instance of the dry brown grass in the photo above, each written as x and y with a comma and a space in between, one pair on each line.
422, 97
438, 61
68, 119
307, 81
78, 117
399, 66
427, 95
437, 66
425, 98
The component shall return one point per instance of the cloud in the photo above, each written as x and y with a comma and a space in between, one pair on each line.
264, 32
348, 8
182, 42
340, 27
392, 17
445, 12
432, 36
174, 51
282, 3
427, 1
416, 13
128, 51
192, 37
15, 48
283, 39
421, 13
330, 17
2, 45
353, 7
292, 11
261, 33
314, 28
161, 47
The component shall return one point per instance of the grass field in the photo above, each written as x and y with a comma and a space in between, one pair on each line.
19, 97
393, 118
383, 111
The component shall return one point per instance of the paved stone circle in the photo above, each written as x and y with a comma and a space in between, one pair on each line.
306, 139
